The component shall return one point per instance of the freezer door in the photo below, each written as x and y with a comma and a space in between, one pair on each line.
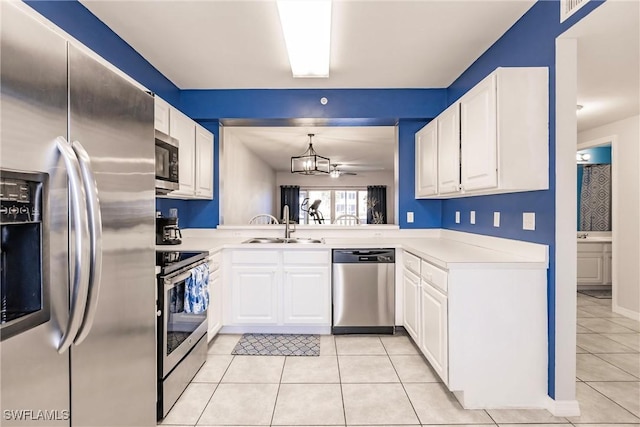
113, 378
34, 378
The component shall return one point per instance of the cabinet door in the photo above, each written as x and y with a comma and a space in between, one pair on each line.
449, 150
590, 268
214, 313
433, 327
204, 163
306, 295
411, 296
161, 114
185, 133
254, 294
607, 261
478, 136
427, 160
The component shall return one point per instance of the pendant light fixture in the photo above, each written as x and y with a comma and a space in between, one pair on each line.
310, 163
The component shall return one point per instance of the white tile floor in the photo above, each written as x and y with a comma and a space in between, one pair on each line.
368, 381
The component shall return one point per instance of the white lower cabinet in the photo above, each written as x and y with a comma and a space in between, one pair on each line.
594, 264
274, 287
306, 300
411, 303
433, 332
214, 313
255, 294
482, 328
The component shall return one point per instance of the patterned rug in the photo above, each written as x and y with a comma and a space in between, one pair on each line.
278, 345
601, 294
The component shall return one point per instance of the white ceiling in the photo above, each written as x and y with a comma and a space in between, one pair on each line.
353, 148
608, 63
374, 44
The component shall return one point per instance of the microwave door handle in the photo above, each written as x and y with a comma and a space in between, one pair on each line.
79, 287
95, 240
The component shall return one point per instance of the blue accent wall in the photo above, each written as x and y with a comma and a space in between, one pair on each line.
529, 42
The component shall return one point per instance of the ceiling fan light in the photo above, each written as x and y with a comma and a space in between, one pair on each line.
306, 26
335, 173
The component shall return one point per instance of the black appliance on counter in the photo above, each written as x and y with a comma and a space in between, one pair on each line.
182, 336
167, 231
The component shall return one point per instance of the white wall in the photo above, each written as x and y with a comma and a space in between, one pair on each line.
361, 180
626, 219
247, 184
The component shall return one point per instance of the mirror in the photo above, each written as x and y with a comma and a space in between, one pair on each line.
594, 188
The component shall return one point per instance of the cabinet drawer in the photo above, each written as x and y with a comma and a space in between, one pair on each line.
412, 262
590, 247
434, 275
254, 257
214, 262
306, 257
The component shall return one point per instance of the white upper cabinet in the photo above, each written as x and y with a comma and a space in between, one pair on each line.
204, 163
184, 130
161, 115
427, 160
195, 152
449, 150
478, 135
495, 138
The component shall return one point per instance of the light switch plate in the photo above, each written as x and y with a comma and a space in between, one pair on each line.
472, 217
409, 217
496, 219
528, 220
457, 217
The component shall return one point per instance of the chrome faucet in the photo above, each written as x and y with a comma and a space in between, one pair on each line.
287, 225
583, 235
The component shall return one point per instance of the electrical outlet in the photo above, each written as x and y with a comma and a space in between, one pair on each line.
496, 219
472, 217
528, 220
457, 217
409, 217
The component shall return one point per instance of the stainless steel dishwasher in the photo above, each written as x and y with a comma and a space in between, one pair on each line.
363, 291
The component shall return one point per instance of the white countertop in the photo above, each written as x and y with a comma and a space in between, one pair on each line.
442, 252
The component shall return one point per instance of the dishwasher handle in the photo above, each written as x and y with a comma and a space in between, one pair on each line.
353, 256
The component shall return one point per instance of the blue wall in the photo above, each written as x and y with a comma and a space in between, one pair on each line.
530, 42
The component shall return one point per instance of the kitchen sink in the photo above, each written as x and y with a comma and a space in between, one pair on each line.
304, 240
280, 240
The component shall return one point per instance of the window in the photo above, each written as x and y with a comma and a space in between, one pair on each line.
333, 203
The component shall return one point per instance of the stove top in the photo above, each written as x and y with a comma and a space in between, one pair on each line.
170, 261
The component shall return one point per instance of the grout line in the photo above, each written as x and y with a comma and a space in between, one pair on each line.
344, 409
273, 413
622, 369
214, 390
610, 399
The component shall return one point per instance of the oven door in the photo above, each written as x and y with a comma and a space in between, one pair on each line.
180, 330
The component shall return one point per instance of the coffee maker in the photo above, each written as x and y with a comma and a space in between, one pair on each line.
167, 231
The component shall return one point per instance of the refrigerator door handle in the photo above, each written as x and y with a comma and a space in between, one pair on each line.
95, 240
79, 288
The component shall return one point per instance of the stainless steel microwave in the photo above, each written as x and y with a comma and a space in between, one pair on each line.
167, 178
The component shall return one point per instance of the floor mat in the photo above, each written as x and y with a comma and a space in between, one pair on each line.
601, 294
278, 345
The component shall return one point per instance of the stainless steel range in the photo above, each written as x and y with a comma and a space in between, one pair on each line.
182, 343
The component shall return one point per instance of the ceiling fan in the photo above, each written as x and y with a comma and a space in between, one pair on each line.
335, 172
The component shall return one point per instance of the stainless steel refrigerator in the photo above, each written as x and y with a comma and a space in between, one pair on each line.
78, 282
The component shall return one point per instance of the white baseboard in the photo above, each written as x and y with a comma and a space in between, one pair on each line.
563, 408
625, 312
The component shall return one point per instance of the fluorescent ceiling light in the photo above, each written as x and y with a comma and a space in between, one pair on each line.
306, 25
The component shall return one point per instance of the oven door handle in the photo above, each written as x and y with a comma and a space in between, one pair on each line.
78, 211
171, 281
